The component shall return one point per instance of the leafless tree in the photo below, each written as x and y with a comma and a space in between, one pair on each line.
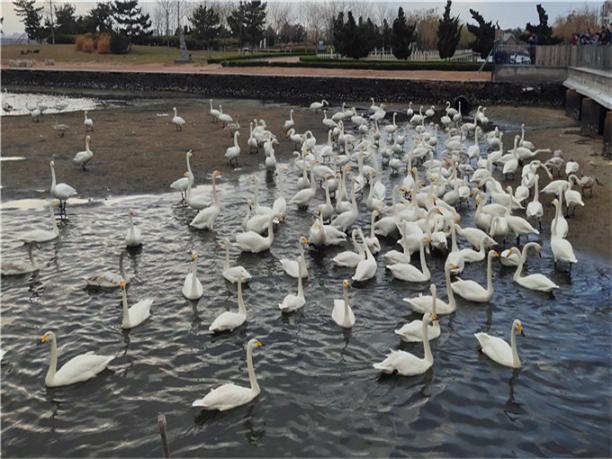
165, 10
278, 15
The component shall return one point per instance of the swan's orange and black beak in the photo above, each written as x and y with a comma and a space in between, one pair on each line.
43, 339
519, 328
258, 343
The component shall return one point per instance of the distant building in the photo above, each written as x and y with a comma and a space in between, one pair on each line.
606, 13
506, 37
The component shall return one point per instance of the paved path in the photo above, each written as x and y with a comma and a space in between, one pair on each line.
275, 71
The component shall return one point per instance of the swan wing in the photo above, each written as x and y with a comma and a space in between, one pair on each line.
468, 289
495, 348
537, 282
226, 397
366, 269
140, 312
290, 267
65, 190
228, 321
347, 259
404, 363
180, 184
81, 368
235, 273
338, 313
292, 303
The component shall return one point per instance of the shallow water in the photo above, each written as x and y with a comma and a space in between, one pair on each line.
54, 104
320, 395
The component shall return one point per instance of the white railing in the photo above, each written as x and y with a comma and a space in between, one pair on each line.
463, 55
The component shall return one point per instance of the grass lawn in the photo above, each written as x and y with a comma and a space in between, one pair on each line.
138, 55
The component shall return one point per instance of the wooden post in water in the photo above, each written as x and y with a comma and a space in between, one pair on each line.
161, 423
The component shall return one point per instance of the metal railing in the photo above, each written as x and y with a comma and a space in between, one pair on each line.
590, 56
461, 55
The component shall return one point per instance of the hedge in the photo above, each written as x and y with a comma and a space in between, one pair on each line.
241, 57
371, 65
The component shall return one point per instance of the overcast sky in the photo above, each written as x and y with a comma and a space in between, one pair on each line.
509, 13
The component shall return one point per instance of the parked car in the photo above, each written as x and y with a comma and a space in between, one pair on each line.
520, 58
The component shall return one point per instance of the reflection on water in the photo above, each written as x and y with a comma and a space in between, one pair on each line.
320, 395
14, 104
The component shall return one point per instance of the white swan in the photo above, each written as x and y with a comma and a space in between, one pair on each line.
342, 313
473, 291
349, 258
405, 363
77, 369
177, 120
412, 332
41, 235
88, 123
228, 320
205, 219
235, 273
232, 153
293, 268
60, 190
498, 350
559, 226
561, 248
138, 313
254, 242
199, 202
182, 184
318, 105
214, 113
366, 268
537, 282
230, 395
192, 287
534, 208
424, 303
83, 157
408, 272
289, 123
291, 302
134, 236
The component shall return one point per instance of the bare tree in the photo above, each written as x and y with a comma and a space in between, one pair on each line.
384, 10
165, 9
278, 15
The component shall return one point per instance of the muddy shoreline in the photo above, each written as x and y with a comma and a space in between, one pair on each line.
138, 151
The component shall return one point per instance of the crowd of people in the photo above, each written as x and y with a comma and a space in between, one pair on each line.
603, 37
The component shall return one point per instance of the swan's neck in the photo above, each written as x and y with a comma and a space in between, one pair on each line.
454, 239
536, 193
251, 369
52, 179
241, 305
300, 292
194, 275
53, 222
489, 274
214, 191
327, 197
346, 306
189, 169
372, 235
426, 347
271, 229
236, 139
516, 362
52, 361
424, 267
519, 267
126, 316
353, 200
449, 290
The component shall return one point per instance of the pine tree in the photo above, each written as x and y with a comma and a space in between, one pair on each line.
484, 34
402, 35
247, 22
543, 32
130, 19
65, 19
206, 24
31, 17
99, 19
449, 33
385, 35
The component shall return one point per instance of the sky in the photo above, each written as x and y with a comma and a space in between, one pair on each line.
510, 14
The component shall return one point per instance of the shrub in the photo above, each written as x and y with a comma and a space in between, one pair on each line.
119, 43
79, 41
104, 44
62, 39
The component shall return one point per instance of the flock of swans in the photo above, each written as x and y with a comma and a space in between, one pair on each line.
438, 179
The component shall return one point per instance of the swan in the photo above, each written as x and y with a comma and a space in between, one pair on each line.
473, 291
289, 123
366, 268
205, 219
343, 221
291, 302
224, 117
454, 257
41, 235
228, 320
177, 120
372, 241
213, 111
534, 208
510, 257
133, 237
303, 197
412, 332
537, 282
230, 395
342, 313
408, 272
472, 256
83, 157
60, 190
254, 242
235, 273
348, 258
232, 153
573, 196
407, 364
192, 287
561, 248
424, 303
559, 226
182, 184
77, 369
474, 235
296, 268
318, 105
136, 314
88, 123
498, 350
198, 202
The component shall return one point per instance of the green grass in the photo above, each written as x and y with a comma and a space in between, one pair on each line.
138, 55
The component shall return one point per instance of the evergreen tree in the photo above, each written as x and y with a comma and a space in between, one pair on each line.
292, 33
385, 35
484, 34
247, 22
66, 20
130, 19
449, 33
206, 24
31, 16
338, 38
543, 32
99, 19
402, 35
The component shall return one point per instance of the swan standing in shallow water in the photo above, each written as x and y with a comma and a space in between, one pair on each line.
182, 184
228, 320
61, 191
342, 313
42, 235
292, 302
498, 350
78, 369
134, 236
412, 332
83, 157
405, 363
138, 313
235, 273
537, 282
232, 153
192, 287
254, 242
230, 395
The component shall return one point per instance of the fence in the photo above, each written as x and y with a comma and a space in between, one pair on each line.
461, 55
590, 56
